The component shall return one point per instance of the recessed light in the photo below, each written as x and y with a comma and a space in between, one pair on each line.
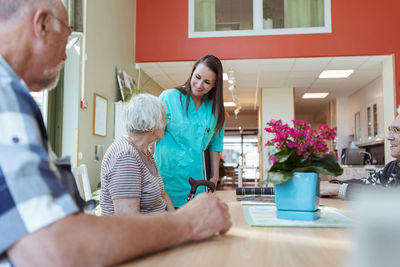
315, 95
229, 104
225, 76
335, 74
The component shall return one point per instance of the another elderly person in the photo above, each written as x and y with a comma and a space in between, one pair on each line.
389, 176
130, 180
40, 224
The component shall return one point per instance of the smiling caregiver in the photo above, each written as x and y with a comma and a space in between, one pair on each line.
196, 122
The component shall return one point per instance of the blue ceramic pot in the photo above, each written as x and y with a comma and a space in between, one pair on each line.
298, 198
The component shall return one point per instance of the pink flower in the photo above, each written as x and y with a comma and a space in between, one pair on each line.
273, 159
301, 137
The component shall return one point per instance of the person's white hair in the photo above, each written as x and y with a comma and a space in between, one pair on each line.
143, 113
18, 8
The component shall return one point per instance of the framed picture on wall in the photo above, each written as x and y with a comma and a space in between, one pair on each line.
100, 115
126, 84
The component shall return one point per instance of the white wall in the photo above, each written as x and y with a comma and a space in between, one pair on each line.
245, 119
342, 124
359, 102
389, 99
110, 42
278, 104
315, 119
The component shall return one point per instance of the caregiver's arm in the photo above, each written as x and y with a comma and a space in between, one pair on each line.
214, 162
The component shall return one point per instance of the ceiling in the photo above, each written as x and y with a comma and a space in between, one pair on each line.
299, 73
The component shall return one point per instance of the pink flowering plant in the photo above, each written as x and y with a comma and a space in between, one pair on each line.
300, 149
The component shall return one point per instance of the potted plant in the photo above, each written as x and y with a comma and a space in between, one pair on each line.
301, 154
268, 13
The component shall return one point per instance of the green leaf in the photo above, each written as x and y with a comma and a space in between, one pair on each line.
282, 155
329, 163
278, 177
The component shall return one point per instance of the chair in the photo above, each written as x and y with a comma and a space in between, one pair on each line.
82, 179
241, 176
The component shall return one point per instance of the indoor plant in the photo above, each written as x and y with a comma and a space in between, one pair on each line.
301, 155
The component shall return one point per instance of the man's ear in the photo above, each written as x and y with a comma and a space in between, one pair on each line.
41, 23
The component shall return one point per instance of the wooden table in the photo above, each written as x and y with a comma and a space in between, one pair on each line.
260, 246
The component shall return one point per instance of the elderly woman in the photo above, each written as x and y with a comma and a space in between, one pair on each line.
130, 181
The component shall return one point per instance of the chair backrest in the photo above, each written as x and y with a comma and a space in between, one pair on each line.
82, 179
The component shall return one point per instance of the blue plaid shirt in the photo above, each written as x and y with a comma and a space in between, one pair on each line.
31, 195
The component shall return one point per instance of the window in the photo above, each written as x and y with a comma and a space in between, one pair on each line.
241, 150
75, 13
217, 18
369, 121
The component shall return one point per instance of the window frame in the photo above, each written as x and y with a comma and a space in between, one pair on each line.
258, 24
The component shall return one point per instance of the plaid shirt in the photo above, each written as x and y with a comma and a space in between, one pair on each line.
31, 195
389, 176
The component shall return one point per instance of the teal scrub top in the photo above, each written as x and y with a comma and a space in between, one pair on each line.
179, 155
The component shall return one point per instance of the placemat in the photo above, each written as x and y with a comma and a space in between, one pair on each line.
266, 216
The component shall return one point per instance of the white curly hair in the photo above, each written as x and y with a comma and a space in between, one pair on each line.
144, 113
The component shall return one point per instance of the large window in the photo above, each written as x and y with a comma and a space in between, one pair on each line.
242, 150
217, 18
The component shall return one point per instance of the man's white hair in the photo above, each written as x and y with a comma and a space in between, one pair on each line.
143, 113
10, 9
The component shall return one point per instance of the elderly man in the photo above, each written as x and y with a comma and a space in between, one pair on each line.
389, 176
40, 224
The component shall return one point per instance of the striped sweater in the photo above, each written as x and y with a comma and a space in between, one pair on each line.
125, 174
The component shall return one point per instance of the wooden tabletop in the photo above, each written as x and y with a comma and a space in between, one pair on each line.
260, 246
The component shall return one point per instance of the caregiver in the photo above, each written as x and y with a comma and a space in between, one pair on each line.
196, 117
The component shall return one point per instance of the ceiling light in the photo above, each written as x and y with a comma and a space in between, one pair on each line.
315, 95
225, 76
335, 74
229, 104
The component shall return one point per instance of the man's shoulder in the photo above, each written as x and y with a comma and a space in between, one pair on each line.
390, 167
14, 94
392, 164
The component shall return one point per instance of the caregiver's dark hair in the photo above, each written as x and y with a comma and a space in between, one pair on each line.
216, 94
